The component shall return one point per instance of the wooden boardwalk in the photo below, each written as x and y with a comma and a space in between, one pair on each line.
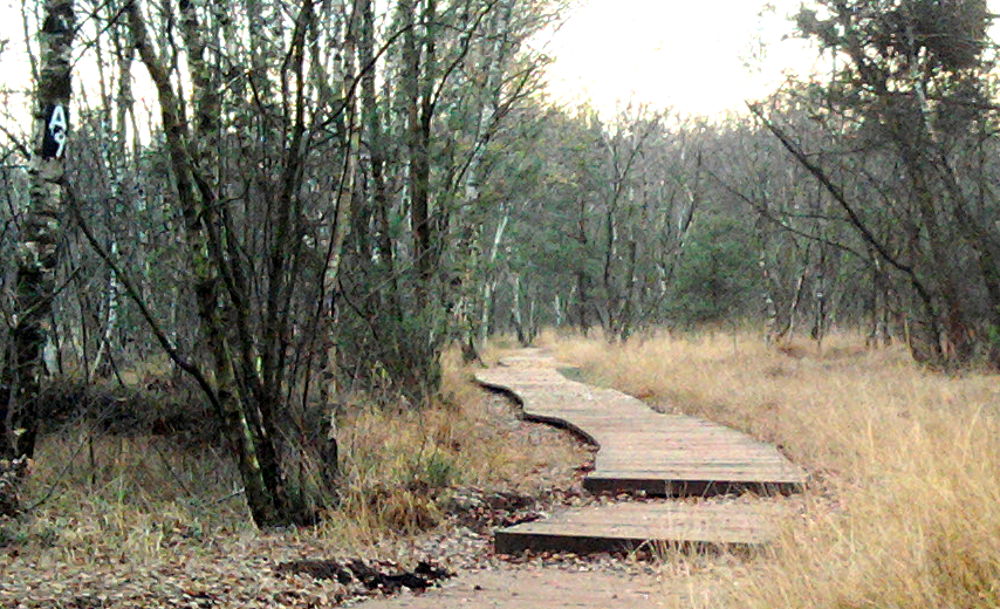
641, 450
627, 526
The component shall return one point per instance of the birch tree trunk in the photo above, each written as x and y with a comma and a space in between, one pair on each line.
475, 267
491, 280
41, 229
418, 78
114, 149
340, 225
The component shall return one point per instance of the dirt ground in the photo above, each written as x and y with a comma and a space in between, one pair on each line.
538, 588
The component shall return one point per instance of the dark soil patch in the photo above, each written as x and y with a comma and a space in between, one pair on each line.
381, 576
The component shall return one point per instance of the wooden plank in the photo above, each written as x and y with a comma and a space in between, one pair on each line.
657, 487
628, 526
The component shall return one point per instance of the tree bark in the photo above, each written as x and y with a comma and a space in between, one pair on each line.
417, 64
41, 229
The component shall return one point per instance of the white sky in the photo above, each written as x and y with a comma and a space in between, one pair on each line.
691, 55
698, 57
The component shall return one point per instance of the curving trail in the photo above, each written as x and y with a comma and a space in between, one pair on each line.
641, 450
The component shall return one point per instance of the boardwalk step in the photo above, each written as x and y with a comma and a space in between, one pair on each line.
688, 484
619, 527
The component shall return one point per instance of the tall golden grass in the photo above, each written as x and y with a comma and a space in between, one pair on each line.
904, 509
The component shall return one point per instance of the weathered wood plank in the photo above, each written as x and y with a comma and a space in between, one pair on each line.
695, 487
627, 526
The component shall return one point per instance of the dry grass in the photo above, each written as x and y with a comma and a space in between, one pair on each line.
905, 508
122, 499
137, 500
400, 465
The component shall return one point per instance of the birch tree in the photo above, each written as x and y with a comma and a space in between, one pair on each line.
40, 235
